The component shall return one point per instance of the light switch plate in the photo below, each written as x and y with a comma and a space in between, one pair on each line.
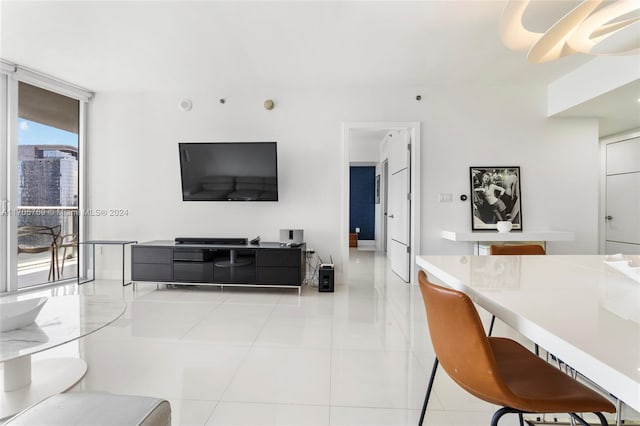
446, 197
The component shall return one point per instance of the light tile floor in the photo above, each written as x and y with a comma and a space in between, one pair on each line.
246, 356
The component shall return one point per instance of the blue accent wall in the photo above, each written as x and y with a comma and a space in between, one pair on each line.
362, 187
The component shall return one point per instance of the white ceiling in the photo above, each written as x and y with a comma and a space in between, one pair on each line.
618, 110
155, 45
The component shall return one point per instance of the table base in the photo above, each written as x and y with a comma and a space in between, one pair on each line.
93, 244
48, 377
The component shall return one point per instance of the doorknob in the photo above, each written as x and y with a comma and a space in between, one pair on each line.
390, 216
609, 217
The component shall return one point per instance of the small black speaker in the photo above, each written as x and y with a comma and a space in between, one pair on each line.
325, 279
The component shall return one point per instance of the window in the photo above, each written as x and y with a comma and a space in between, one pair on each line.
47, 186
42, 191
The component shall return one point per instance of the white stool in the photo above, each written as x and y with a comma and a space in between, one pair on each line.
95, 409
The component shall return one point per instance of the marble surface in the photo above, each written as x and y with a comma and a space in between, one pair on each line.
62, 319
578, 307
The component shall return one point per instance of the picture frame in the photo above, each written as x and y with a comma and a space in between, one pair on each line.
377, 189
495, 196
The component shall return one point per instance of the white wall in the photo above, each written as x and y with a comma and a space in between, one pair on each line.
133, 161
505, 126
364, 148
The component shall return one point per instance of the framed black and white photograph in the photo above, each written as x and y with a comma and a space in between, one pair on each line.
495, 197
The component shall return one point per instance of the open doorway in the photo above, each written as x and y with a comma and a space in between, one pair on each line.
364, 183
394, 149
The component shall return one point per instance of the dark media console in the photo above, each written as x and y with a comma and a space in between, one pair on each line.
211, 240
203, 262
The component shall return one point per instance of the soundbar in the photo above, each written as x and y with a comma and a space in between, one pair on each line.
211, 240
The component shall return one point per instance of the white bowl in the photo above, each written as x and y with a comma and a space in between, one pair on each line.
20, 313
504, 226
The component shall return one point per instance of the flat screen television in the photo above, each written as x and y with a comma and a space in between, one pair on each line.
229, 171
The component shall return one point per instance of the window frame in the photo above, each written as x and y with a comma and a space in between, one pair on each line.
12, 74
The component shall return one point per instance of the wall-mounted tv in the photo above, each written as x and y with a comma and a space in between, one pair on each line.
229, 171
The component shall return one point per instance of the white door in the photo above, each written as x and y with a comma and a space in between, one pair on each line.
622, 212
399, 208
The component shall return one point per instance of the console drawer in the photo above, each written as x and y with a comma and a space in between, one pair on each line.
279, 275
193, 272
275, 257
151, 272
151, 254
192, 255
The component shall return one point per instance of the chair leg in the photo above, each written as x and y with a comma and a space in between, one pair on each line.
578, 419
603, 420
493, 320
64, 256
52, 266
501, 412
426, 397
57, 265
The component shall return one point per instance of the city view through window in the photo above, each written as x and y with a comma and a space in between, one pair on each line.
47, 202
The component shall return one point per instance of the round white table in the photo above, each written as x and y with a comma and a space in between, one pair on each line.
62, 320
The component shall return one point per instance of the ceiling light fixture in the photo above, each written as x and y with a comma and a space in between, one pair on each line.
583, 29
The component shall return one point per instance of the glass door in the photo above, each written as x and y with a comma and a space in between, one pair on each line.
46, 186
4, 207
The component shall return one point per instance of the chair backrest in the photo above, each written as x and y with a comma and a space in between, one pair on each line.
68, 240
524, 249
38, 237
460, 342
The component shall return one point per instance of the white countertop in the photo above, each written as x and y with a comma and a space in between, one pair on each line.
508, 236
583, 310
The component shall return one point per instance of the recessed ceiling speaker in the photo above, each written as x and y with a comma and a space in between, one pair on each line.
185, 105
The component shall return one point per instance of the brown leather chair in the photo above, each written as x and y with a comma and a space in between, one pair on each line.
524, 249
499, 370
